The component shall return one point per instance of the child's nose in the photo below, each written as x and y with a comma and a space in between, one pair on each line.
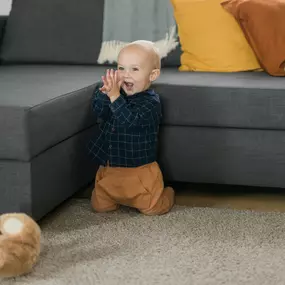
127, 73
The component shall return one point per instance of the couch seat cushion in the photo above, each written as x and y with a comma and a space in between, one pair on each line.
253, 100
40, 106
43, 105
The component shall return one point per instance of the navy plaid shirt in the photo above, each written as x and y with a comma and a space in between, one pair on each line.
128, 129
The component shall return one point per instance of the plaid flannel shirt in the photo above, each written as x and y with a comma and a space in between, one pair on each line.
128, 131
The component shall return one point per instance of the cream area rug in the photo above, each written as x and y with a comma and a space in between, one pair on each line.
188, 246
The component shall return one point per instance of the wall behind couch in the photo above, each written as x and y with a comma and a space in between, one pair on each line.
5, 7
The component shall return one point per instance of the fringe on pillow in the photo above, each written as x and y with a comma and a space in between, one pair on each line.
110, 49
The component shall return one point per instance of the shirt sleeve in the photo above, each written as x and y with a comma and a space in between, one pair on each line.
100, 103
148, 113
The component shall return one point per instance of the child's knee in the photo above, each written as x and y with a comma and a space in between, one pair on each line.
163, 205
99, 209
102, 204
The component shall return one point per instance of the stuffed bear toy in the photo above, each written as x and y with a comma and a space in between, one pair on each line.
20, 244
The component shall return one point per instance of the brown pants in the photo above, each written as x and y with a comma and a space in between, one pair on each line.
140, 187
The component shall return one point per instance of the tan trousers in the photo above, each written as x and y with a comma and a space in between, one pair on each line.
140, 187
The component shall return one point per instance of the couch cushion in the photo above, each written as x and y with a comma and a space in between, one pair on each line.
211, 39
43, 105
238, 100
118, 30
263, 24
3, 20
54, 31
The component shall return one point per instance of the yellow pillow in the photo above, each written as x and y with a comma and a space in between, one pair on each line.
211, 39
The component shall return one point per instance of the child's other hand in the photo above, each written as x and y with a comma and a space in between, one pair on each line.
112, 84
105, 88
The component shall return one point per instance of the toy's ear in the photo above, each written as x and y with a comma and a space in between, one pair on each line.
12, 226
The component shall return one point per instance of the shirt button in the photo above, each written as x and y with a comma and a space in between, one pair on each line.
110, 146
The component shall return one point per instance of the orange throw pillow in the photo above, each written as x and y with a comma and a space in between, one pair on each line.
263, 24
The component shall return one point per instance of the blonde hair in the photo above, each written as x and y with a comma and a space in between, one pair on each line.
149, 47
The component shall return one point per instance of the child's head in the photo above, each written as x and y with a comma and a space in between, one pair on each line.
138, 66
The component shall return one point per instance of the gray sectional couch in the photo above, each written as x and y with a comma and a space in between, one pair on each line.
217, 128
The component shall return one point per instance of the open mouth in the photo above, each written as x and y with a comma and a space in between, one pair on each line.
128, 85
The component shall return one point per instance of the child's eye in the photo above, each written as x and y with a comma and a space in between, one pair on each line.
135, 69
120, 68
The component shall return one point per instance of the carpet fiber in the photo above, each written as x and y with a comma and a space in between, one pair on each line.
197, 246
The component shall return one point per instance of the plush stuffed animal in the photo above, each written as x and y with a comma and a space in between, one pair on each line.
20, 244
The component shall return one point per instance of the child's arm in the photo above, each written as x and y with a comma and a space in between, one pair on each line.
100, 103
148, 113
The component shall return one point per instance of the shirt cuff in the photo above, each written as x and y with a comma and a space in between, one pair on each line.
117, 104
104, 98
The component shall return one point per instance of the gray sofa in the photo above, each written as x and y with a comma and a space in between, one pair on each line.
226, 128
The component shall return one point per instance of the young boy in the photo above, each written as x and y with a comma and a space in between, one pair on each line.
126, 147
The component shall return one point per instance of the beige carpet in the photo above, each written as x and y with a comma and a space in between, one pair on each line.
191, 246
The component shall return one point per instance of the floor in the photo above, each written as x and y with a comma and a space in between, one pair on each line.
234, 197
223, 196
190, 245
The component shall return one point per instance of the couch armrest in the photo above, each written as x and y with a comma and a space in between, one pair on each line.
3, 20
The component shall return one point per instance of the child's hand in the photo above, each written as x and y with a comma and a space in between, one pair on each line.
105, 88
112, 84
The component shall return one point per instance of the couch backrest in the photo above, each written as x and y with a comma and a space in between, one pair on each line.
53, 31
3, 20
58, 32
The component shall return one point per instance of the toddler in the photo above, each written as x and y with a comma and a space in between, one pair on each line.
126, 147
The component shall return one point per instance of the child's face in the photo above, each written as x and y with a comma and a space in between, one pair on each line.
135, 69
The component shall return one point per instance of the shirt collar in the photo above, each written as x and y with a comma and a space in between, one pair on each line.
147, 91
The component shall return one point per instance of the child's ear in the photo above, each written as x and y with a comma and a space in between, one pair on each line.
154, 74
